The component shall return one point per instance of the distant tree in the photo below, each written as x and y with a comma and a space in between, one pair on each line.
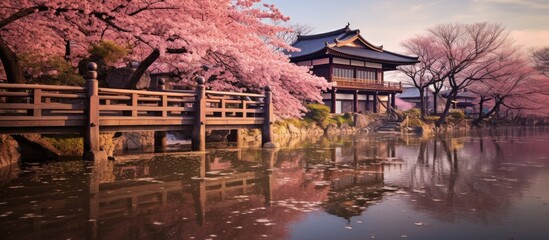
289, 36
512, 84
540, 58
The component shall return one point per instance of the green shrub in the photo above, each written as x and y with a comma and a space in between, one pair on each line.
339, 120
412, 113
317, 112
70, 145
415, 122
54, 70
348, 116
431, 119
110, 51
456, 115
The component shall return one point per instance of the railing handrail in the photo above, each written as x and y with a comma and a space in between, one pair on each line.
40, 86
235, 94
147, 92
357, 82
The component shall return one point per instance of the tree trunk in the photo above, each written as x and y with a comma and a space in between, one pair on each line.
422, 102
451, 95
488, 114
136, 76
435, 96
13, 69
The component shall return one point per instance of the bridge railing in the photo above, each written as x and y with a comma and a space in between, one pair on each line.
90, 110
240, 108
121, 107
41, 105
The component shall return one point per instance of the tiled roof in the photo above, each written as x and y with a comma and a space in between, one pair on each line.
333, 42
384, 56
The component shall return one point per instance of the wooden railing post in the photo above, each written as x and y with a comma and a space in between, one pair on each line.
393, 100
267, 131
374, 107
37, 102
199, 126
160, 141
91, 131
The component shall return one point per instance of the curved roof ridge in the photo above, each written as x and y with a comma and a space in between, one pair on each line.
356, 35
402, 55
326, 34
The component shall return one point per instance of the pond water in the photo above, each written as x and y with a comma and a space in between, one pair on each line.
489, 184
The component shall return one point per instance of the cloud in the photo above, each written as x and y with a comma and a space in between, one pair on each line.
424, 5
531, 38
533, 4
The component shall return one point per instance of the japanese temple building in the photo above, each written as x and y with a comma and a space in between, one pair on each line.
355, 66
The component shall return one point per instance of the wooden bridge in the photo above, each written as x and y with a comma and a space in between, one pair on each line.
89, 110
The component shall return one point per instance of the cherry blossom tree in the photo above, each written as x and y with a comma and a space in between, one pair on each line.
512, 84
470, 54
228, 42
427, 71
540, 58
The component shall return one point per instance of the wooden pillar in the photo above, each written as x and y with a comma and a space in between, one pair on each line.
91, 131
199, 126
160, 141
238, 134
355, 102
267, 131
375, 103
334, 100
367, 102
393, 100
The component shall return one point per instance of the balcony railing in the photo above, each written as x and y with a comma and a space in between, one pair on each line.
365, 84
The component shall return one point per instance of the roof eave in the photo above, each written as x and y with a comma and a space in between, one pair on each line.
334, 52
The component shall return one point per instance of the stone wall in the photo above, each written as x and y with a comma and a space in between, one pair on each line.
286, 132
9, 151
130, 141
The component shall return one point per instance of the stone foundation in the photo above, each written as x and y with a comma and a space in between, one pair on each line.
9, 151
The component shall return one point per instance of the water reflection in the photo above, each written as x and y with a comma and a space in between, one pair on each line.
254, 193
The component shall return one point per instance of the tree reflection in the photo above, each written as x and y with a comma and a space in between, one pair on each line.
470, 179
248, 193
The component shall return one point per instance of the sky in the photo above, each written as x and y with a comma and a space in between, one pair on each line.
390, 22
